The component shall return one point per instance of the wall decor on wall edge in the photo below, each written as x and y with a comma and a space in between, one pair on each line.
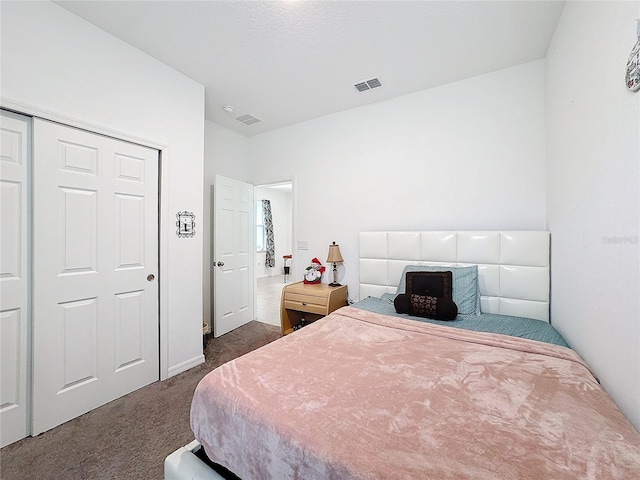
186, 224
632, 78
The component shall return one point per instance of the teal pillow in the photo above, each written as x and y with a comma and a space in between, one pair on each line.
465, 285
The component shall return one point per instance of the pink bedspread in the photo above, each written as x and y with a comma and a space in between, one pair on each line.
358, 395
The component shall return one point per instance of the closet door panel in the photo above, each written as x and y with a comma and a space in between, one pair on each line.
14, 276
95, 271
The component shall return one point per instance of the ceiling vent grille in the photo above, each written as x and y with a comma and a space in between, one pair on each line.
248, 119
368, 85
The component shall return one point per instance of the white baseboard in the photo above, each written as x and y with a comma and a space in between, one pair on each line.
184, 366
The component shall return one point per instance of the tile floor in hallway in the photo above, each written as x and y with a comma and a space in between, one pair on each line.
269, 297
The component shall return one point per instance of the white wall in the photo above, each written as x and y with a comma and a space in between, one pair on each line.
226, 154
53, 61
281, 209
593, 185
468, 155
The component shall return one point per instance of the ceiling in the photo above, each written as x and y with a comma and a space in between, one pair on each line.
286, 62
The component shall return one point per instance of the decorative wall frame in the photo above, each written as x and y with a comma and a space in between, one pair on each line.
186, 224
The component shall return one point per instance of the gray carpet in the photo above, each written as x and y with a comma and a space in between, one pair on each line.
129, 437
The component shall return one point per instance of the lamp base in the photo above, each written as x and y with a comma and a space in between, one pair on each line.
335, 277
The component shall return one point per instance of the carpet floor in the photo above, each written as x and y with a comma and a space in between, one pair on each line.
129, 437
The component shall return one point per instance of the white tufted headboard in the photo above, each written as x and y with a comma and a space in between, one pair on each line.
513, 266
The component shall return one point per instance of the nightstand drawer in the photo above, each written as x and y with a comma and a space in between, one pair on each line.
305, 306
306, 298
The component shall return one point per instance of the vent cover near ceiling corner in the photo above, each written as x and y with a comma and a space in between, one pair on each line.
248, 119
368, 84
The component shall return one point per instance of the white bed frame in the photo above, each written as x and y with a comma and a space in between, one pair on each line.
183, 464
513, 266
513, 275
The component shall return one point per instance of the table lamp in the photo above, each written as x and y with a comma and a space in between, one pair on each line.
334, 257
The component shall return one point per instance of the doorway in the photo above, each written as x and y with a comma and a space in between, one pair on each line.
271, 279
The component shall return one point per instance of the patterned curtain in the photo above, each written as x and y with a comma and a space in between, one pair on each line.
268, 233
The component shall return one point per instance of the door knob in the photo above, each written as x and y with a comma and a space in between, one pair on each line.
150, 277
220, 264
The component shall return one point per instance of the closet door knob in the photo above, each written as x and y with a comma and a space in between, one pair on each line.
150, 277
220, 264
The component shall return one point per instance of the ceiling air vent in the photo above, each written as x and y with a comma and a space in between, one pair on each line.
368, 84
248, 119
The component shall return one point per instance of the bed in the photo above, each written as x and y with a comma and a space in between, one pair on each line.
365, 393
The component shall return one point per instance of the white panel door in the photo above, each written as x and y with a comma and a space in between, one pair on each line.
14, 277
234, 254
95, 247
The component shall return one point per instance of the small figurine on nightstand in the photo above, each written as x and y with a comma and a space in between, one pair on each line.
313, 273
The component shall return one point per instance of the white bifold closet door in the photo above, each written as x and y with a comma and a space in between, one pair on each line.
14, 277
95, 285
